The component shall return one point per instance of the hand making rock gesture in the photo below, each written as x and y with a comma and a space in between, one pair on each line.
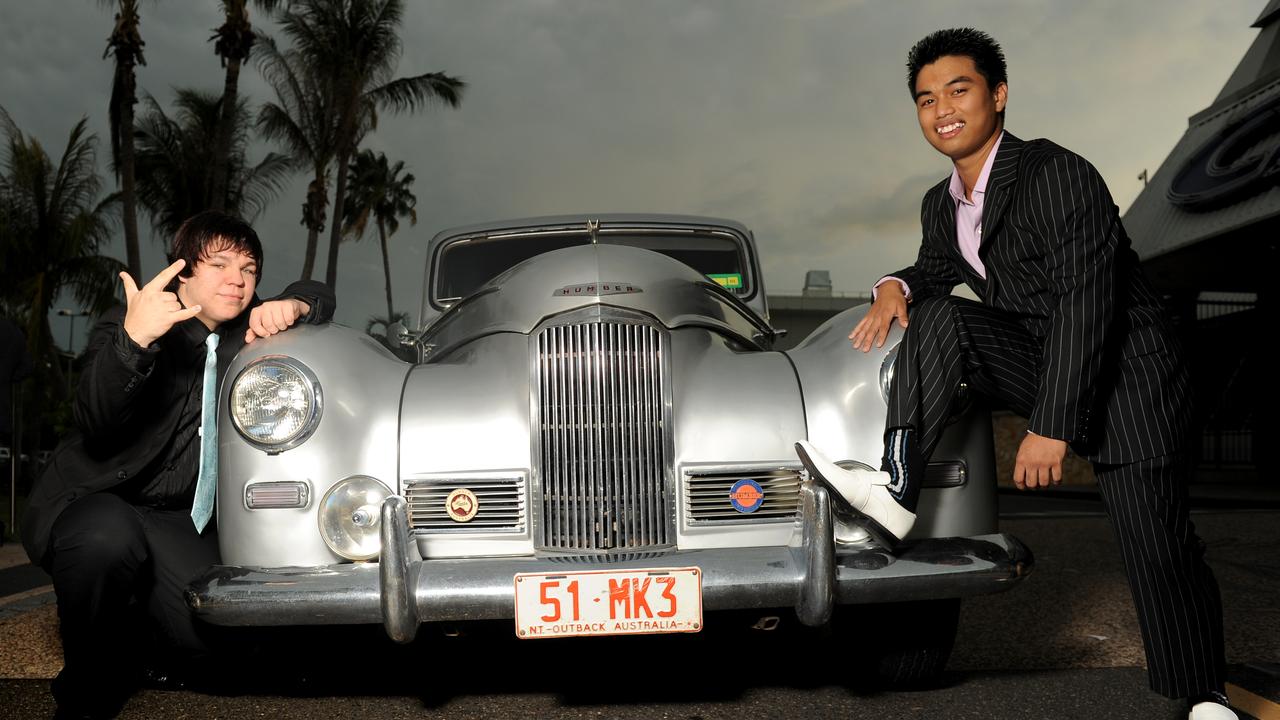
152, 310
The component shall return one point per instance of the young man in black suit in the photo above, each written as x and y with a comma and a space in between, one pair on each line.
122, 514
1068, 333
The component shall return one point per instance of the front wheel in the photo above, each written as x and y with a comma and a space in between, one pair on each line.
906, 644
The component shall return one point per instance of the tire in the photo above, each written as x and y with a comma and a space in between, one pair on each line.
906, 645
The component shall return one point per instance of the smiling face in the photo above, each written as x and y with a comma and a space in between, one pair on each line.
222, 284
958, 112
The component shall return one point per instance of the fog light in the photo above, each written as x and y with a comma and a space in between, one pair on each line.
350, 517
277, 495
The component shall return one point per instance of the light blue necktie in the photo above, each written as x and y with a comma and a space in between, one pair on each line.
207, 483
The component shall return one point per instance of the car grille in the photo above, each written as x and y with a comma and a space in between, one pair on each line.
707, 496
600, 417
499, 505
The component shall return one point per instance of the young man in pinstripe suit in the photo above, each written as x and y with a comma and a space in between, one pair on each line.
1068, 333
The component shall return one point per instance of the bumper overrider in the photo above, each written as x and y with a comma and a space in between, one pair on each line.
402, 590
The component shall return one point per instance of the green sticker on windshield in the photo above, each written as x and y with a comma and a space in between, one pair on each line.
732, 281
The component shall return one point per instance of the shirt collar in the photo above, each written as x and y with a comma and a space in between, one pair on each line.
193, 330
979, 188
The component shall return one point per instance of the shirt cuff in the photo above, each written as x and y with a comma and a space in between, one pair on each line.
906, 291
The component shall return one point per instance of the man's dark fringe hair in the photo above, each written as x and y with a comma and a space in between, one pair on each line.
966, 42
211, 231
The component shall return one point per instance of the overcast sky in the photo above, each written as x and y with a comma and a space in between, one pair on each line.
791, 117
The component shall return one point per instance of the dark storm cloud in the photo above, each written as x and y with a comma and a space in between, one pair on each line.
791, 117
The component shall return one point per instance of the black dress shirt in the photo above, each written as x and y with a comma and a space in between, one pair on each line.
170, 482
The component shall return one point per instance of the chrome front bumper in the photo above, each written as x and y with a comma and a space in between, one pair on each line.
402, 590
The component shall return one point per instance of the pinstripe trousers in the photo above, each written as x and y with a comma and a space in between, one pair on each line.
952, 340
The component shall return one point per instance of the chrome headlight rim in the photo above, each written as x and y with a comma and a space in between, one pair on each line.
886, 371
308, 426
322, 511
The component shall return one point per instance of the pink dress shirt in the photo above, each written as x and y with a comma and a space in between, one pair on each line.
968, 218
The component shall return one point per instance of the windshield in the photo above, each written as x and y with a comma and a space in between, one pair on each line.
465, 265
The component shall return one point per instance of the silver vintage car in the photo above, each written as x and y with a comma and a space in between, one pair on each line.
595, 438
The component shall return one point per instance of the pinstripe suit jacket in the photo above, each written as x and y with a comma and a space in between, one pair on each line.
1112, 381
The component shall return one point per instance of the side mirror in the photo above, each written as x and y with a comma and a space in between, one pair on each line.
398, 333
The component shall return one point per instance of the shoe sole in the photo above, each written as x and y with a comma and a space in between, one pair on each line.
877, 531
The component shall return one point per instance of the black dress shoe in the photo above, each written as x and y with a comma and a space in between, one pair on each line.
164, 677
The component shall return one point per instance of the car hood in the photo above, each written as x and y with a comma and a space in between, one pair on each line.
560, 281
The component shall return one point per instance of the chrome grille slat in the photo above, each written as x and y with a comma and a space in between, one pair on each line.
501, 505
706, 496
600, 434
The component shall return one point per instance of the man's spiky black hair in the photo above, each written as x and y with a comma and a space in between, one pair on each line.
966, 42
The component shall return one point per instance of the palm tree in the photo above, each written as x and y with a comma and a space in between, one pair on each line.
355, 45
232, 43
52, 226
125, 44
303, 120
175, 157
379, 192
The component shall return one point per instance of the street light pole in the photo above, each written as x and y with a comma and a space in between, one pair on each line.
71, 315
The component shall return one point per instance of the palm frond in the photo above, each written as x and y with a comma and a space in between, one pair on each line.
406, 94
263, 183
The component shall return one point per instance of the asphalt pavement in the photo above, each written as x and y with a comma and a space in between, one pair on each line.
1064, 644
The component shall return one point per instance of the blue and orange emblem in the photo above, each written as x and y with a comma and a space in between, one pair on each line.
746, 495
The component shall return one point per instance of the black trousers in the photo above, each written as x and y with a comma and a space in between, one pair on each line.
119, 572
952, 340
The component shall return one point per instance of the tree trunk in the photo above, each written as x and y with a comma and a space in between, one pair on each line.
128, 195
346, 146
313, 217
309, 257
335, 231
222, 153
386, 270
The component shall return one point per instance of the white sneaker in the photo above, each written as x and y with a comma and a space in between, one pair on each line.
864, 494
1211, 711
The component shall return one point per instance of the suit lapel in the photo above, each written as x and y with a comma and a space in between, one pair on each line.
944, 223
1004, 174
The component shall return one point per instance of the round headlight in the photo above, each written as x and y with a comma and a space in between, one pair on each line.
351, 517
886, 371
275, 402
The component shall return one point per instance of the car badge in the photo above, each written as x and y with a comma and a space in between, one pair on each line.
461, 505
746, 495
597, 289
